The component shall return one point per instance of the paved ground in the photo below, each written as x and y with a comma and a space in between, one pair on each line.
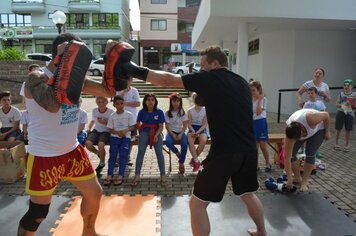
337, 183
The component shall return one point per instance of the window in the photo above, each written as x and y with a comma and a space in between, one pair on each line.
106, 19
77, 20
192, 3
158, 25
158, 1
253, 47
12, 20
185, 27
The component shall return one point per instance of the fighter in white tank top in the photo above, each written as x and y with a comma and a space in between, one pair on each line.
300, 117
52, 134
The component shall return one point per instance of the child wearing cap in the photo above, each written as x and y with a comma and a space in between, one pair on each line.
346, 104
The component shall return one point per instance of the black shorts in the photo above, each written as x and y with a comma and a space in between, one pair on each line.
97, 137
342, 119
211, 182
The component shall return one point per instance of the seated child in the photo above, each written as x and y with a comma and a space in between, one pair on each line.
120, 125
197, 125
9, 117
100, 134
176, 125
83, 120
150, 121
24, 121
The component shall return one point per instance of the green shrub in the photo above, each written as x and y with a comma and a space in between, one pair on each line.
11, 54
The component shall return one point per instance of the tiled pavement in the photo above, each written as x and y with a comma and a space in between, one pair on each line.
337, 183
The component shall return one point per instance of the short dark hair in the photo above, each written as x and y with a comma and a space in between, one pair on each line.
312, 89
30, 67
215, 53
118, 98
294, 130
64, 37
5, 94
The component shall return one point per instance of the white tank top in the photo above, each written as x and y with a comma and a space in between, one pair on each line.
300, 117
52, 134
197, 117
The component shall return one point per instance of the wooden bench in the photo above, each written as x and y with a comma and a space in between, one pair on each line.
275, 141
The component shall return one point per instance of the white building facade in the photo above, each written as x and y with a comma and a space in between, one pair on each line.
28, 25
281, 42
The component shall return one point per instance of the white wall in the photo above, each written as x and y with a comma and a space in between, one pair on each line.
277, 55
288, 58
169, 34
170, 7
333, 51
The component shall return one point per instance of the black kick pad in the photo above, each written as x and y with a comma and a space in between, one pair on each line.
12, 208
292, 215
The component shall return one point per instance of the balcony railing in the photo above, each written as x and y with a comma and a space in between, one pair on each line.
83, 32
30, 6
84, 5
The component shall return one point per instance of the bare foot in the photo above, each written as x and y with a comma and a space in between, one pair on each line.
297, 180
304, 188
254, 232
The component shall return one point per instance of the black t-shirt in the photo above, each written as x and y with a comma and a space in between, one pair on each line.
228, 103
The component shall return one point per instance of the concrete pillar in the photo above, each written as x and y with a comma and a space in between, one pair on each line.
33, 45
141, 56
242, 49
184, 58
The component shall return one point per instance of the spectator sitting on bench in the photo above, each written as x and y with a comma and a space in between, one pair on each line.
24, 121
83, 120
9, 117
176, 125
120, 125
100, 134
150, 121
197, 125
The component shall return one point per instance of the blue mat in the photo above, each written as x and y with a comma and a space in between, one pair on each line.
292, 215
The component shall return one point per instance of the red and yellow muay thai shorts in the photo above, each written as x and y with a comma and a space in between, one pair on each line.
45, 173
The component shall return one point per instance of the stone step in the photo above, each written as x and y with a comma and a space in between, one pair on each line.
144, 88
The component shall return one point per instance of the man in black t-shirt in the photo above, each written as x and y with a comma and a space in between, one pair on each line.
232, 154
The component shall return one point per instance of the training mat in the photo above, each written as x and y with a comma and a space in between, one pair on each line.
118, 215
12, 208
293, 215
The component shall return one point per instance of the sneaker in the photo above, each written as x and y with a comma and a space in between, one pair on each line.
196, 165
99, 168
181, 168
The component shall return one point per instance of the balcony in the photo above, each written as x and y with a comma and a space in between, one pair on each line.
85, 32
29, 6
84, 5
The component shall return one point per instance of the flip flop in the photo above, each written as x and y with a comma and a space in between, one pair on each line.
107, 182
118, 181
163, 182
135, 182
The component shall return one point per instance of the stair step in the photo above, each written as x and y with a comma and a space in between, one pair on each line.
144, 88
